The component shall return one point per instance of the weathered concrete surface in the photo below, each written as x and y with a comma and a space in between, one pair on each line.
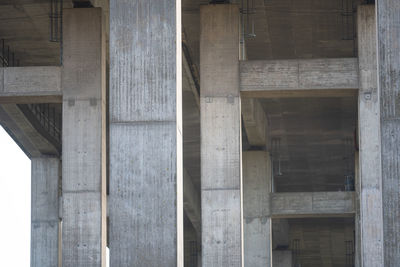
44, 211
83, 154
321, 241
262, 75
255, 122
192, 245
146, 198
257, 233
30, 85
313, 204
220, 136
296, 78
191, 202
24, 132
281, 254
191, 147
282, 258
389, 94
370, 169
280, 233
357, 217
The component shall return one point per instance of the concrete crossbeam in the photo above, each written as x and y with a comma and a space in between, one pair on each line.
84, 139
44, 212
299, 77
312, 204
30, 85
220, 136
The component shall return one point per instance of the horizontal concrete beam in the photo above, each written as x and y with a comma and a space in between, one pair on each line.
23, 85
312, 204
299, 78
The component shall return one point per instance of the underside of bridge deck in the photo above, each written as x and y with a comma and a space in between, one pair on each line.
245, 131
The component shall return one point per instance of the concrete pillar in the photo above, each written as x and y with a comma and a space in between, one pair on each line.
282, 258
357, 217
256, 221
146, 197
388, 30
220, 136
83, 139
44, 212
370, 170
281, 255
280, 234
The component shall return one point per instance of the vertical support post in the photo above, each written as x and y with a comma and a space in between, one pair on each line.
44, 212
256, 221
388, 19
281, 239
83, 139
357, 217
146, 186
220, 136
370, 170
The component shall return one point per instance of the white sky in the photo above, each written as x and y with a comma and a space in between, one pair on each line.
15, 203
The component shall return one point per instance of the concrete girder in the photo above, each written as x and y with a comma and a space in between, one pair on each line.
299, 77
312, 204
21, 85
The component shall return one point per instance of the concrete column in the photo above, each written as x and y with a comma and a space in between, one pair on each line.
357, 219
282, 258
256, 221
44, 212
370, 171
83, 139
388, 20
281, 255
146, 197
220, 136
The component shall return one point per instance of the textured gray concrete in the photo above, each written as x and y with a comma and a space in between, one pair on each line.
257, 175
192, 245
370, 168
30, 85
220, 136
321, 241
83, 142
146, 209
191, 202
255, 122
334, 73
299, 78
313, 133
313, 204
357, 217
44, 211
280, 233
281, 253
24, 133
389, 94
282, 258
